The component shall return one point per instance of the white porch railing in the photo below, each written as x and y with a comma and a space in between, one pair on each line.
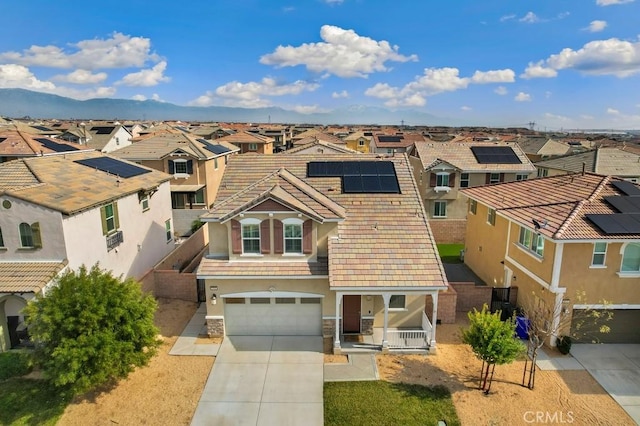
411, 339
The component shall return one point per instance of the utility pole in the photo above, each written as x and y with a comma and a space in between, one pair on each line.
532, 125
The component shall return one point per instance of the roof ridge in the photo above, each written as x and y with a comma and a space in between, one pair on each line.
605, 180
238, 194
316, 195
574, 213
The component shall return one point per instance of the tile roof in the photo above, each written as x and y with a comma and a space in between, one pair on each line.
14, 143
246, 137
543, 146
61, 184
384, 239
563, 201
219, 267
318, 136
27, 277
331, 148
460, 156
159, 146
605, 161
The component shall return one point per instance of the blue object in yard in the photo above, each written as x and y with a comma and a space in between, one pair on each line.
522, 328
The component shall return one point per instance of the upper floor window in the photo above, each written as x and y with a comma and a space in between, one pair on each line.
543, 172
30, 235
144, 202
253, 147
440, 209
251, 238
215, 164
293, 237
631, 258
464, 180
361, 142
109, 216
494, 178
522, 176
473, 206
531, 241
442, 179
491, 216
167, 229
180, 167
599, 254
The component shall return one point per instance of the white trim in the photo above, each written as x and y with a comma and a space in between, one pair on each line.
391, 290
292, 221
628, 274
330, 317
530, 252
250, 221
557, 265
258, 277
612, 306
214, 317
528, 273
272, 294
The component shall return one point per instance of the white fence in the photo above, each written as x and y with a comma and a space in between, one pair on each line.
411, 339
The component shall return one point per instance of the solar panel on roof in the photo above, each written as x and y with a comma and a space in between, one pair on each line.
618, 223
358, 176
627, 187
390, 138
54, 146
102, 130
42, 128
495, 155
215, 148
625, 204
113, 166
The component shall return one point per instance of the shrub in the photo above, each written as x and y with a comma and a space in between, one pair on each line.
564, 344
14, 364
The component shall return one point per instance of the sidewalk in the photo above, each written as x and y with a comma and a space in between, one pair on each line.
186, 343
360, 367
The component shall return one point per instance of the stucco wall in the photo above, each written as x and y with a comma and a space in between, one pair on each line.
541, 267
409, 317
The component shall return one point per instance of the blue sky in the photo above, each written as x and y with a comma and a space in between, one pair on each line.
560, 63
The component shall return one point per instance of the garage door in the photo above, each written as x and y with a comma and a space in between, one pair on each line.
623, 325
278, 316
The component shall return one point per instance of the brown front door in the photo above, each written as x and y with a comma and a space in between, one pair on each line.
351, 314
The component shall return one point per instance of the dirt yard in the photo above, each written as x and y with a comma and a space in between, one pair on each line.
166, 392
558, 397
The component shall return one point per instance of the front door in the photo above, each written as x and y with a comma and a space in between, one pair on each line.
351, 314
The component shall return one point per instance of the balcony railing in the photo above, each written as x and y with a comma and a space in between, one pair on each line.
114, 240
411, 339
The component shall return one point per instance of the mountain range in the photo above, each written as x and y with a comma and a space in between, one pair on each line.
18, 103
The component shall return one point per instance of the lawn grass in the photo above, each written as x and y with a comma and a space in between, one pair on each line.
382, 403
14, 364
450, 253
30, 402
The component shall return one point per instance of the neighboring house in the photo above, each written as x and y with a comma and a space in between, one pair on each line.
75, 209
15, 144
249, 142
320, 147
317, 136
443, 168
555, 236
104, 137
299, 246
542, 148
359, 141
605, 161
280, 135
394, 143
196, 165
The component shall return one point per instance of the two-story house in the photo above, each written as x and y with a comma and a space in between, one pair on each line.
250, 142
614, 161
101, 136
196, 165
557, 236
80, 208
359, 141
443, 168
15, 144
303, 246
396, 143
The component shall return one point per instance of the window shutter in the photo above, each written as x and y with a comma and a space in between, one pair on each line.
452, 180
487, 178
501, 177
116, 221
103, 216
432, 179
278, 237
35, 232
172, 167
236, 237
307, 237
190, 167
265, 240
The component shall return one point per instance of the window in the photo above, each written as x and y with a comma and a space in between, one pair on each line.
440, 209
389, 150
522, 176
543, 172
1, 239
473, 206
199, 198
397, 301
253, 147
361, 142
251, 238
109, 216
631, 258
293, 238
494, 178
285, 300
442, 179
599, 254
180, 167
167, 228
144, 201
464, 180
531, 241
491, 217
29, 235
215, 163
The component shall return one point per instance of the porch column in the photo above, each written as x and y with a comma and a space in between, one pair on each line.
434, 321
336, 342
386, 297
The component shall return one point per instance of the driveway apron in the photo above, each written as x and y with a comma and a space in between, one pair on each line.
264, 380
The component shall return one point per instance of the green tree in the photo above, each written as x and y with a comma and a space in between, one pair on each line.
92, 328
493, 341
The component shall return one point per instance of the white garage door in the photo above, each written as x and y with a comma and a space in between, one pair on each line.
278, 316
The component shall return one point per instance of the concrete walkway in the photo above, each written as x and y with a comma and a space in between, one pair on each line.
359, 368
186, 343
264, 380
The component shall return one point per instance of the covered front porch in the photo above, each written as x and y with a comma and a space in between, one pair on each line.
376, 320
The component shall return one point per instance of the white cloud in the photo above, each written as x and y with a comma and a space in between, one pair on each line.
250, 94
507, 18
522, 97
18, 76
339, 95
139, 98
496, 76
501, 90
332, 2
307, 109
538, 70
587, 117
613, 111
119, 51
466, 108
596, 26
556, 117
612, 2
288, 9
82, 77
342, 53
147, 77
530, 18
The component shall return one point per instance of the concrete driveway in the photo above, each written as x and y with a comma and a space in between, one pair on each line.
264, 380
617, 368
